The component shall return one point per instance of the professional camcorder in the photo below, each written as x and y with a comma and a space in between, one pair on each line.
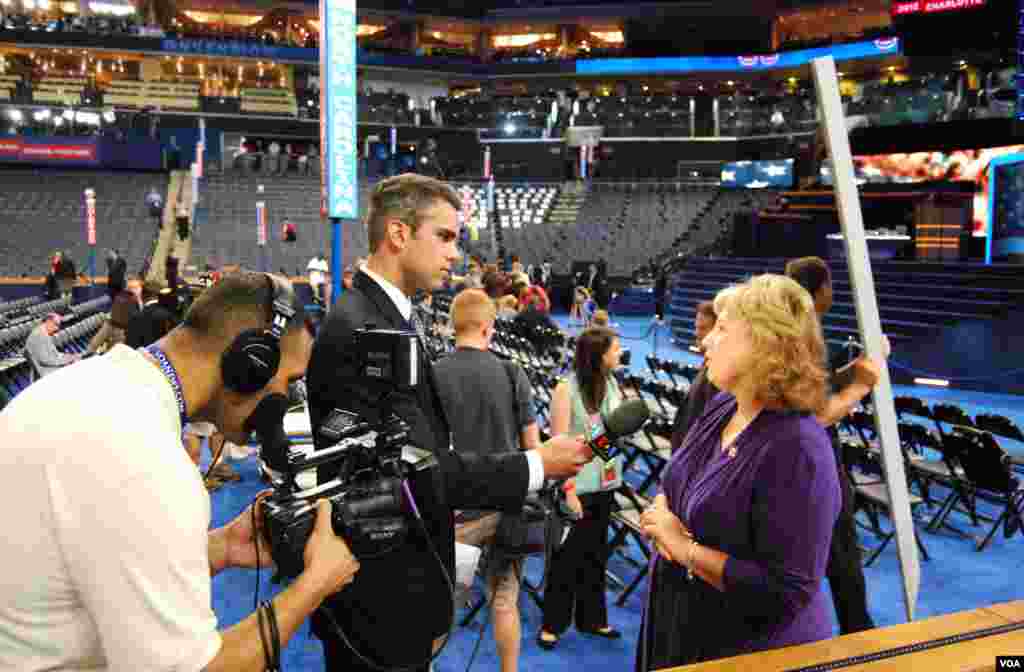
373, 457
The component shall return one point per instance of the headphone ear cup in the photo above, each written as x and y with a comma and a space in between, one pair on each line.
251, 362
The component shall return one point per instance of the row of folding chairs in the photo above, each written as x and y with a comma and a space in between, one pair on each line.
13, 308
959, 457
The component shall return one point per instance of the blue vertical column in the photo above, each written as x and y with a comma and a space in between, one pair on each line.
392, 151
340, 149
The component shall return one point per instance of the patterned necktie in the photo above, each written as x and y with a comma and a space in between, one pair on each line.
416, 320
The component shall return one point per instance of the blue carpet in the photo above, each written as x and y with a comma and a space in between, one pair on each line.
957, 577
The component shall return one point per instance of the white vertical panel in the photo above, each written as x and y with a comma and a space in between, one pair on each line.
862, 281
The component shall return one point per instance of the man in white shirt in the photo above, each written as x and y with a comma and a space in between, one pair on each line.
106, 548
42, 352
317, 269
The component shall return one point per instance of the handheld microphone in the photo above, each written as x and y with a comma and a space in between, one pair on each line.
626, 419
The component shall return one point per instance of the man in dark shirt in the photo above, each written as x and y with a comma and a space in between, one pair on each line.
490, 406
702, 390
850, 384
154, 321
116, 270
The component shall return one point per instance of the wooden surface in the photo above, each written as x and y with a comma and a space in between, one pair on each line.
977, 654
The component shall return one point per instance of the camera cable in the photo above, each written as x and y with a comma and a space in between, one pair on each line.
451, 600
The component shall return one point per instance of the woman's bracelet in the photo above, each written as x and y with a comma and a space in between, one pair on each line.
691, 555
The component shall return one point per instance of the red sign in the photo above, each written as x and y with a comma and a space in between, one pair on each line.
261, 224
933, 6
10, 146
90, 218
75, 152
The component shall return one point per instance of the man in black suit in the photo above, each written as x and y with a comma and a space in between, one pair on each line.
399, 609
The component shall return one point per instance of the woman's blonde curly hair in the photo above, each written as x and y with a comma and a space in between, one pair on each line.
789, 361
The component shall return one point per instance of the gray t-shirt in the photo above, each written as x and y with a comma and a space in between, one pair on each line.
484, 415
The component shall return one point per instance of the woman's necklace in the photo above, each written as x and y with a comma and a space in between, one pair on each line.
729, 446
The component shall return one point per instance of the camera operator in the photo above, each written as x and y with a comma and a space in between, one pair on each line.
107, 550
413, 229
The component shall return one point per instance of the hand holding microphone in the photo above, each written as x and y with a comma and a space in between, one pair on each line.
564, 456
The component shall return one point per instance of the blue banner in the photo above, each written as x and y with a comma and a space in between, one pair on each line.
238, 48
338, 107
788, 59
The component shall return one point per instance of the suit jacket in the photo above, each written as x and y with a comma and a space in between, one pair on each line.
148, 326
402, 594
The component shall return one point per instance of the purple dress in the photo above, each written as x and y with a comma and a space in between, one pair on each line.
771, 509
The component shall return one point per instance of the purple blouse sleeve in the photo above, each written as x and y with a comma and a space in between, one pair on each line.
795, 504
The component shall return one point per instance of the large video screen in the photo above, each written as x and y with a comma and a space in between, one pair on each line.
1008, 201
959, 165
758, 174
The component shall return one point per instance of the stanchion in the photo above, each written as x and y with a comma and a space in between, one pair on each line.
90, 228
261, 230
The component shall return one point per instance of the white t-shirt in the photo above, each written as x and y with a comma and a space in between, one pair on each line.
317, 269
105, 559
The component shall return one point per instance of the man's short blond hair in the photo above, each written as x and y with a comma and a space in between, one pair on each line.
789, 349
508, 302
472, 309
404, 197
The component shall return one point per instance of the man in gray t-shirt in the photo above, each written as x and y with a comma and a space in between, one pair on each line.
489, 406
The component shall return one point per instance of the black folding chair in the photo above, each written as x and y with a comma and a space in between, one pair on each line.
988, 471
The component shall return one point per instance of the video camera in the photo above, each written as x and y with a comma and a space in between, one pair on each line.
373, 455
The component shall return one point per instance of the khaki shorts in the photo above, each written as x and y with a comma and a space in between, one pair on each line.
202, 429
503, 579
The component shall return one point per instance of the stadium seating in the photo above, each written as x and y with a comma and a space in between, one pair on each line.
82, 321
227, 232
906, 296
626, 223
44, 210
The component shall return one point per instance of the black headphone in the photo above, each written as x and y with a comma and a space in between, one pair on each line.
252, 360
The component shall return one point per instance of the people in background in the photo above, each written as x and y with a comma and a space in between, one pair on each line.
155, 203
41, 350
273, 158
125, 306
317, 269
849, 383
182, 221
702, 390
153, 322
743, 524
489, 403
288, 232
576, 577
67, 274
117, 268
508, 307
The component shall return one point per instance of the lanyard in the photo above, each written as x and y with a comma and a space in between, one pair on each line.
172, 377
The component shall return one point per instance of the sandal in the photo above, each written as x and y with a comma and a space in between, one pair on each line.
546, 644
